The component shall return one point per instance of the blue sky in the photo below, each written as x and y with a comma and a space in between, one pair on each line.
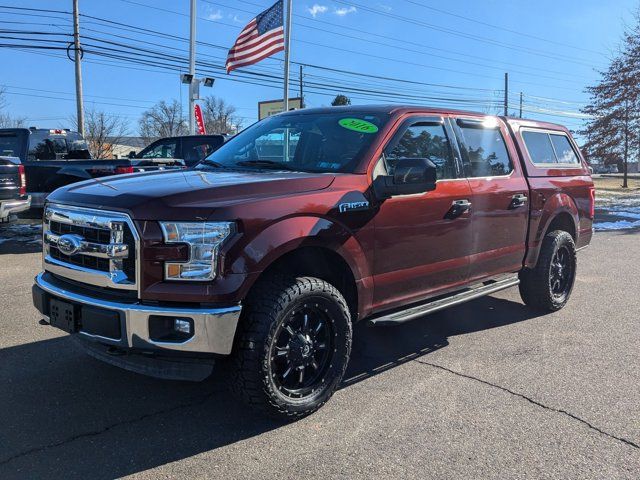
460, 49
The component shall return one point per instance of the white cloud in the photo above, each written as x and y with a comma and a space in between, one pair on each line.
341, 12
217, 15
236, 18
317, 9
386, 8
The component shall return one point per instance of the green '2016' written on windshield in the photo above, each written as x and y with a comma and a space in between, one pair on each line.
358, 125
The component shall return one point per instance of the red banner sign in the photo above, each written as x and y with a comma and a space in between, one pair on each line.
199, 120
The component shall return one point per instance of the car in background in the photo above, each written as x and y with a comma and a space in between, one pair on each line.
600, 168
13, 188
191, 149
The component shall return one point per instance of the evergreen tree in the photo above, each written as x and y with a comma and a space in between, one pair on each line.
613, 133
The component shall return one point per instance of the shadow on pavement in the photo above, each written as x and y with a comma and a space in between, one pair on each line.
65, 415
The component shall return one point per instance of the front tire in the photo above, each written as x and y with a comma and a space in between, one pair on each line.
548, 286
292, 347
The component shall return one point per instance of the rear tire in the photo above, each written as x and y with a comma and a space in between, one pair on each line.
292, 347
548, 286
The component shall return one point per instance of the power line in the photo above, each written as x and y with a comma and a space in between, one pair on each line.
150, 58
377, 36
461, 34
498, 27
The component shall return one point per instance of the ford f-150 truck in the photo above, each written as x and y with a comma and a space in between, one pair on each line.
263, 256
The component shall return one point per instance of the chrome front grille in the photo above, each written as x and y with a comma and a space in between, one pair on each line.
91, 246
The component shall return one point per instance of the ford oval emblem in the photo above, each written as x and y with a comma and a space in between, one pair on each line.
70, 244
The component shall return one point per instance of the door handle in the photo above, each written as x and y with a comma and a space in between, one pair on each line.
518, 200
458, 207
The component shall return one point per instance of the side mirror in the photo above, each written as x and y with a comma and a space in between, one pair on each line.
410, 176
132, 154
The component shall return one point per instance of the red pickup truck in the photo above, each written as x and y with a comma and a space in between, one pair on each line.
263, 256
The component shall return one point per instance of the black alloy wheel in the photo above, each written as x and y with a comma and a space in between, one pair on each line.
561, 272
302, 350
548, 286
292, 346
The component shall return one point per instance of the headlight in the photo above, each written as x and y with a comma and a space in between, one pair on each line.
204, 239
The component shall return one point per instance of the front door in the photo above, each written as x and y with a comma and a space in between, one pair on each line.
422, 241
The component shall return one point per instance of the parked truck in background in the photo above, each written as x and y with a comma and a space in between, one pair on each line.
13, 188
263, 257
53, 158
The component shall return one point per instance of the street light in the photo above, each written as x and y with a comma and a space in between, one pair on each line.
194, 93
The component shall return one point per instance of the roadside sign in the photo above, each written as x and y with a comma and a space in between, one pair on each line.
273, 107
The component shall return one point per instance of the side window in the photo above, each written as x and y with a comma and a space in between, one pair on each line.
165, 149
564, 150
194, 150
539, 147
423, 140
484, 152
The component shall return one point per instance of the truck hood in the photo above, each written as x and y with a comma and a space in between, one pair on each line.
185, 194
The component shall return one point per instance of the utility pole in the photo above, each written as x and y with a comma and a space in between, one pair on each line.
521, 104
77, 58
287, 47
192, 69
625, 166
301, 94
506, 94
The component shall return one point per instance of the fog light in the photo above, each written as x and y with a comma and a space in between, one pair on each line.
170, 329
182, 326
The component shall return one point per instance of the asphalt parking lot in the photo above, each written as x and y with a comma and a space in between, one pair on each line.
489, 389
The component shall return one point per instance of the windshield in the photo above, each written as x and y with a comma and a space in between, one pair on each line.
44, 145
324, 142
10, 145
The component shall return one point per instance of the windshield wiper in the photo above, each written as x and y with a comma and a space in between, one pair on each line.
266, 164
212, 163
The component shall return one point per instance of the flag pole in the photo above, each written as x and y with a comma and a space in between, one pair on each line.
192, 67
287, 45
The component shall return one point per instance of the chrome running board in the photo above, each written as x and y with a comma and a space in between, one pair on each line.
468, 294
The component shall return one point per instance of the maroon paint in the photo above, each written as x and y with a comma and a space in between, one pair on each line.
401, 250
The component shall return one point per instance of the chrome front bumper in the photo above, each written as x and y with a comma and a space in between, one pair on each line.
9, 207
214, 328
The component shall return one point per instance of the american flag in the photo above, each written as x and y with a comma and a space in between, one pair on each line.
262, 37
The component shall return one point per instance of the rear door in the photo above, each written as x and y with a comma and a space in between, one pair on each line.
422, 244
500, 196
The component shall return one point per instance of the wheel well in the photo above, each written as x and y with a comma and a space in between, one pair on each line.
321, 263
563, 221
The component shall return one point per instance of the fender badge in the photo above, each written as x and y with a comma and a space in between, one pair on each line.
353, 207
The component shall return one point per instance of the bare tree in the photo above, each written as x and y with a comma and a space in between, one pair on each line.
6, 119
219, 116
162, 120
103, 132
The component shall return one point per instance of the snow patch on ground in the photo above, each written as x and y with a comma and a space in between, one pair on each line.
21, 232
624, 214
619, 225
